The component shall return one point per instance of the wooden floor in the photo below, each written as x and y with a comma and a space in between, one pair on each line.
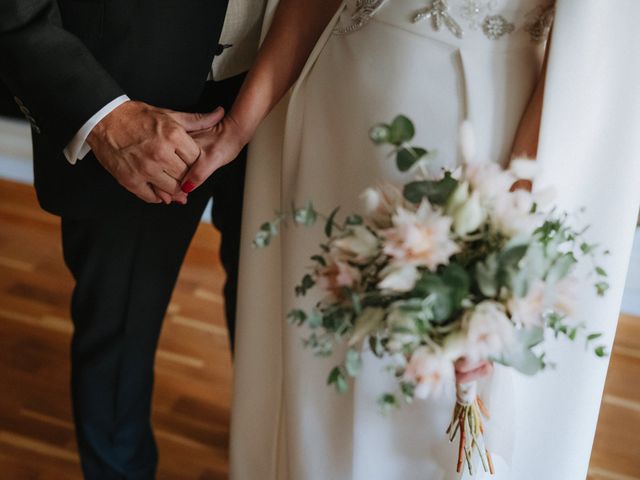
193, 373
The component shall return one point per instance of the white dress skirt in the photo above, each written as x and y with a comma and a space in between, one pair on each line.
481, 65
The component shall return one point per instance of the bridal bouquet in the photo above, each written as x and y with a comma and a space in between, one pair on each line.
461, 266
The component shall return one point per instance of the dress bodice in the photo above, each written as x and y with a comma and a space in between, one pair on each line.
496, 21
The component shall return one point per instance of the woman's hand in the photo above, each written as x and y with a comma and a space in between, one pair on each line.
219, 145
467, 371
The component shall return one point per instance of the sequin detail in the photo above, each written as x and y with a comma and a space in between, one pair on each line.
539, 22
438, 12
495, 26
479, 15
364, 11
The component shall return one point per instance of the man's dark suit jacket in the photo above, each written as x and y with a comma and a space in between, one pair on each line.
63, 60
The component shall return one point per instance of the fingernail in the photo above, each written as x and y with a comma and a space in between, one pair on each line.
188, 187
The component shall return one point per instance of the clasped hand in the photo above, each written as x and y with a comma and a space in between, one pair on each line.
161, 155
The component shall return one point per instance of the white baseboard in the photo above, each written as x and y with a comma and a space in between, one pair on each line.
15, 151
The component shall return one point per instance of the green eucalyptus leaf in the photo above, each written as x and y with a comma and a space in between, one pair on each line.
458, 281
297, 317
388, 402
593, 336
523, 360
601, 288
486, 274
561, 267
530, 337
436, 191
262, 239
338, 379
354, 220
306, 216
319, 259
401, 130
406, 157
328, 228
439, 296
353, 362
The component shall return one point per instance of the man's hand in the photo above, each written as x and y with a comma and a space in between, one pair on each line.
220, 145
148, 150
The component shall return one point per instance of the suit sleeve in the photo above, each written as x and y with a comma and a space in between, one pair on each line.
55, 79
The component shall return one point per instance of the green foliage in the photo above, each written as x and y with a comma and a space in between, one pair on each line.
436, 191
520, 356
328, 228
353, 362
297, 317
387, 403
406, 157
601, 288
338, 378
307, 283
401, 130
354, 220
486, 275
267, 231
305, 216
444, 292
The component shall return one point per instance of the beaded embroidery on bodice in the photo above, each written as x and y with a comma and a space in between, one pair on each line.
532, 17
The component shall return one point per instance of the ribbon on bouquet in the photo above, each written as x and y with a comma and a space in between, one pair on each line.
467, 424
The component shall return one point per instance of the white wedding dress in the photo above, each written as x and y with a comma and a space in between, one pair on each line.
372, 63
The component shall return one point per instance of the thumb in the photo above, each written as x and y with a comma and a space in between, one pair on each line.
192, 122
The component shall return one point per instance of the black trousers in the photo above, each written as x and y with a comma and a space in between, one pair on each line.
125, 266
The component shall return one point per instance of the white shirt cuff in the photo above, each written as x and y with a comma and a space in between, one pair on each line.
78, 147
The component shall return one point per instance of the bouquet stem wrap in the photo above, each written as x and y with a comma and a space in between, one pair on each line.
467, 424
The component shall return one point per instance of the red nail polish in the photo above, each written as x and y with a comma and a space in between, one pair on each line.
188, 187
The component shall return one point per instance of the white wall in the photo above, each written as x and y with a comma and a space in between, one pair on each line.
15, 150
15, 164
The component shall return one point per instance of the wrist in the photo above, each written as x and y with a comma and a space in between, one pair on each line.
106, 124
242, 131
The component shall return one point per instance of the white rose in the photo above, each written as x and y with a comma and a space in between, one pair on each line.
399, 278
381, 202
511, 214
459, 196
470, 216
528, 310
431, 372
403, 330
368, 321
360, 245
489, 331
422, 237
455, 345
565, 295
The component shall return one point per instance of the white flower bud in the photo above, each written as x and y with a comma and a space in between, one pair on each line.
469, 216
